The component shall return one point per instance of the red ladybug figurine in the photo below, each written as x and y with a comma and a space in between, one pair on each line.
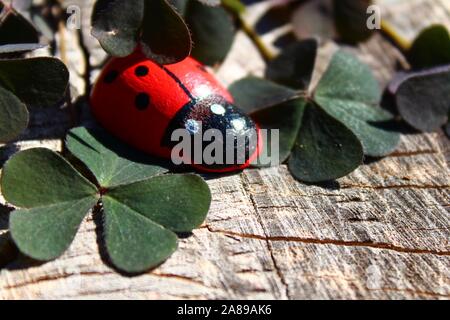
142, 103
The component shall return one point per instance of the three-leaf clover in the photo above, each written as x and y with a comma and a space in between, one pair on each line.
143, 207
324, 131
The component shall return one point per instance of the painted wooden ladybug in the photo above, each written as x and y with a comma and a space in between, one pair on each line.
142, 103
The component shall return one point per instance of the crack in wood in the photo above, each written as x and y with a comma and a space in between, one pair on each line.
56, 277
278, 271
370, 245
413, 292
182, 278
400, 154
401, 186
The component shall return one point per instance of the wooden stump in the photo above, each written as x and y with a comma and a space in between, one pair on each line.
380, 233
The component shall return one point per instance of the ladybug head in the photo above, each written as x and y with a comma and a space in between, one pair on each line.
215, 120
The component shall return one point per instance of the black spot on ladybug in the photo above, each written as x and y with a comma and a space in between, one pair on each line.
111, 76
142, 101
141, 71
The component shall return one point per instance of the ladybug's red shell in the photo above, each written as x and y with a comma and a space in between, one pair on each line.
137, 100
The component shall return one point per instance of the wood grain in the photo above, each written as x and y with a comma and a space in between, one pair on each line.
380, 233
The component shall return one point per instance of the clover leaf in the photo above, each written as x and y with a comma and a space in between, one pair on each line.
142, 207
212, 29
423, 98
14, 28
13, 116
165, 35
116, 24
153, 25
55, 198
295, 65
112, 162
36, 81
422, 93
252, 93
349, 92
325, 149
324, 132
431, 48
158, 29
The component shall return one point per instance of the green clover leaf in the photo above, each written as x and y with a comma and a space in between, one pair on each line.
212, 29
116, 25
431, 48
153, 25
13, 116
157, 27
143, 208
349, 92
324, 133
112, 162
36, 81
55, 198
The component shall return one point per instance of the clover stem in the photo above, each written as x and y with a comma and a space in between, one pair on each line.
102, 191
265, 52
389, 31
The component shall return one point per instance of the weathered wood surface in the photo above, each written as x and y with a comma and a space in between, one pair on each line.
380, 233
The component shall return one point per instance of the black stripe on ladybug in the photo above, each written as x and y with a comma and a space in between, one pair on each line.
215, 112
178, 81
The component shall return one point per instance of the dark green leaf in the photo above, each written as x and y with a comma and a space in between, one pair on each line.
286, 117
252, 93
134, 242
116, 25
212, 32
165, 36
295, 65
177, 202
14, 28
351, 19
13, 116
36, 81
349, 92
20, 48
44, 233
423, 99
112, 162
431, 48
325, 148
40, 177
